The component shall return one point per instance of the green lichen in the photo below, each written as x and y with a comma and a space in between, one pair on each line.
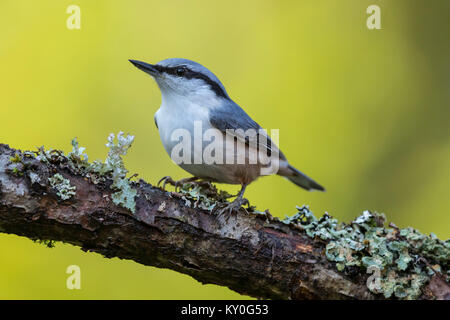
396, 255
16, 159
125, 196
62, 186
203, 195
49, 156
112, 168
78, 160
17, 172
15, 165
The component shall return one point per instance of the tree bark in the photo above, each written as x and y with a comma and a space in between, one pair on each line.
253, 254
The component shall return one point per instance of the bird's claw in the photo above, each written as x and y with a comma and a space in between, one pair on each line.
178, 183
166, 180
233, 206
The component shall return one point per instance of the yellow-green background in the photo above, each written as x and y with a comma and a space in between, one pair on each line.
366, 113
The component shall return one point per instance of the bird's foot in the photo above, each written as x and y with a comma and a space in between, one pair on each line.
192, 183
166, 180
233, 206
180, 183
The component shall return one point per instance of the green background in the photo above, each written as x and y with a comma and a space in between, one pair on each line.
364, 112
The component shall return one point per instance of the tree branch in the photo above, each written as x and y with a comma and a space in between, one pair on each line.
250, 253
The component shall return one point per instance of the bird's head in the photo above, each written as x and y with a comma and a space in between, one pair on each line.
184, 78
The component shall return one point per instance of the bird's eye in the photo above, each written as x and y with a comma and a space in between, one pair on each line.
180, 71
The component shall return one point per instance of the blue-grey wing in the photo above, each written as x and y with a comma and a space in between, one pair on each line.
231, 116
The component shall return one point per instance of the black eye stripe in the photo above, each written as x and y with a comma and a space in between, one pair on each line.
189, 74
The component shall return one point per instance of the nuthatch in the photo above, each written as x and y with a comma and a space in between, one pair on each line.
195, 109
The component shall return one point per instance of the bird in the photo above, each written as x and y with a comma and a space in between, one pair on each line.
191, 95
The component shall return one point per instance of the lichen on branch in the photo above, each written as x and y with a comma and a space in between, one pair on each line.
62, 186
401, 260
67, 198
112, 168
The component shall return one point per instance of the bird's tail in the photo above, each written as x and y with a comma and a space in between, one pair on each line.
299, 178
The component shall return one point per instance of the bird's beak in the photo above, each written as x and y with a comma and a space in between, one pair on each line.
148, 68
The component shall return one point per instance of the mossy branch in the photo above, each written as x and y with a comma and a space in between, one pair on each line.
48, 196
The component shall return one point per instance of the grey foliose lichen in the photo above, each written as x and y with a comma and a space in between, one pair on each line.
203, 195
112, 168
401, 261
115, 168
62, 186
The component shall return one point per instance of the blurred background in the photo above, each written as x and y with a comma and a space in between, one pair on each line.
364, 112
